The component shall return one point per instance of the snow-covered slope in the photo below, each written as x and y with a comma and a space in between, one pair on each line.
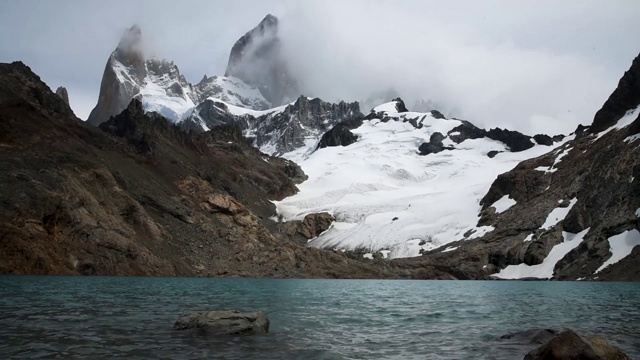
385, 196
165, 91
232, 91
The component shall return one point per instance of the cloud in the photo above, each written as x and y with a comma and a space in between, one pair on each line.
535, 66
349, 51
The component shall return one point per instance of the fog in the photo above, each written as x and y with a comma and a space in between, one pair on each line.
533, 66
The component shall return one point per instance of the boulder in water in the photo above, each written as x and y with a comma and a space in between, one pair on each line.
224, 322
569, 345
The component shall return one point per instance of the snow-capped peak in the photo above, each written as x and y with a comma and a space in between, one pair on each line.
160, 86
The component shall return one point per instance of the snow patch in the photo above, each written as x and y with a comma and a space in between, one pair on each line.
621, 246
632, 138
481, 231
450, 248
503, 204
558, 214
528, 238
545, 269
553, 168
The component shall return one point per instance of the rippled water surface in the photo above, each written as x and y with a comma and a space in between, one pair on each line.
109, 317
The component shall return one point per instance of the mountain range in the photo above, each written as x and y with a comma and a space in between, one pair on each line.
241, 175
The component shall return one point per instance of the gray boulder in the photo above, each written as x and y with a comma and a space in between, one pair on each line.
224, 322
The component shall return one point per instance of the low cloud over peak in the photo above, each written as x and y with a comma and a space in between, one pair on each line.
533, 66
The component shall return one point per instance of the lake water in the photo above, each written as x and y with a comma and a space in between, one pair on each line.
132, 318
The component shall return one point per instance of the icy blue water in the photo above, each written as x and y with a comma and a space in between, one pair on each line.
109, 317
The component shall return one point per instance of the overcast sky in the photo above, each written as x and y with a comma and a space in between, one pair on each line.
535, 66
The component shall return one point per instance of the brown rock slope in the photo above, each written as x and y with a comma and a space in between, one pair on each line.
140, 197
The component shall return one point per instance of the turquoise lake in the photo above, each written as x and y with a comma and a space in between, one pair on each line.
131, 318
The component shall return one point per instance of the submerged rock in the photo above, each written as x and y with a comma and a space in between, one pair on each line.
224, 322
569, 345
531, 336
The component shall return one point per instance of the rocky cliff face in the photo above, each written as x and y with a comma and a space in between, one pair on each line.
256, 59
306, 119
139, 196
116, 90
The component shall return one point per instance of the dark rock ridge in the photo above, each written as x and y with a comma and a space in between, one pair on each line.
514, 140
62, 92
569, 345
257, 60
287, 130
624, 98
139, 196
280, 131
341, 134
601, 176
224, 322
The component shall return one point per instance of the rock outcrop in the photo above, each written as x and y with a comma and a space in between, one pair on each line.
569, 345
62, 92
257, 60
515, 140
314, 224
224, 322
340, 135
434, 145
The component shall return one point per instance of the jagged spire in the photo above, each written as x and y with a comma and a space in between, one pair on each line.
256, 59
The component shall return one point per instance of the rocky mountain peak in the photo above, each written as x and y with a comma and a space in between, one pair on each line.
256, 59
625, 97
260, 37
130, 51
123, 76
161, 87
